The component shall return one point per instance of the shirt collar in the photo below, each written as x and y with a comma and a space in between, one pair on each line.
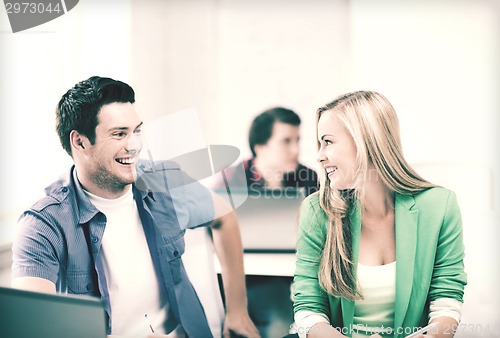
86, 209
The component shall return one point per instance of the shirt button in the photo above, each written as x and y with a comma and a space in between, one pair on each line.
95, 239
176, 253
64, 189
89, 287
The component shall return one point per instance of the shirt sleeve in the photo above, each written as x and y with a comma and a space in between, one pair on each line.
445, 307
304, 320
192, 201
232, 178
35, 248
448, 276
308, 295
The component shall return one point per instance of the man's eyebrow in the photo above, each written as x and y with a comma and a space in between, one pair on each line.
118, 128
124, 128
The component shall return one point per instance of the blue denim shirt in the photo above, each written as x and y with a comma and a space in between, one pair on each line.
59, 237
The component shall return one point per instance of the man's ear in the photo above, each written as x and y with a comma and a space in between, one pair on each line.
257, 148
77, 140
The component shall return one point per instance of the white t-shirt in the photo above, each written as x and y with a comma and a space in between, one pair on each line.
133, 286
375, 312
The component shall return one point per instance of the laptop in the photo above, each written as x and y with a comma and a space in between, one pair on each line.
27, 314
269, 220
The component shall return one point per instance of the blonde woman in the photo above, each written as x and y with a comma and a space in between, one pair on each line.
380, 251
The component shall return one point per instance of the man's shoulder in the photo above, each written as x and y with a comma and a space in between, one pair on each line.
302, 167
234, 176
307, 177
145, 166
160, 176
56, 193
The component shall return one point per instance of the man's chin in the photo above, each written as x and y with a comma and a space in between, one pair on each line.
290, 168
129, 179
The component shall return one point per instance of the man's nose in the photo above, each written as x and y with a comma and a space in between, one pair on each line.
294, 149
134, 143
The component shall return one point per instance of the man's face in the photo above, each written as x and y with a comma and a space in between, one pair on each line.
111, 161
281, 152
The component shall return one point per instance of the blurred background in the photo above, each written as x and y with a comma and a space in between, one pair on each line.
436, 61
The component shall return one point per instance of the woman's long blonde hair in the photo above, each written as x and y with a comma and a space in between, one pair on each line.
373, 124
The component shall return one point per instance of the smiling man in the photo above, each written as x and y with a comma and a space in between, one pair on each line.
113, 226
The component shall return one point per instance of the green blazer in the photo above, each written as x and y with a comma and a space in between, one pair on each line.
429, 258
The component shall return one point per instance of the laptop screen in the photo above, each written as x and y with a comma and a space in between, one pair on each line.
27, 314
269, 220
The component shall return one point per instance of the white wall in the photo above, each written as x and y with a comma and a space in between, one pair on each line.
269, 54
437, 62
233, 59
37, 67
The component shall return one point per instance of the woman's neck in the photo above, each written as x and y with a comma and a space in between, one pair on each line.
377, 199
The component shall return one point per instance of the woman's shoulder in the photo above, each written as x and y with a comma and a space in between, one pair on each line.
311, 209
313, 219
436, 198
311, 202
434, 194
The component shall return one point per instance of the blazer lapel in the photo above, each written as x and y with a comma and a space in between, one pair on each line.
348, 305
406, 220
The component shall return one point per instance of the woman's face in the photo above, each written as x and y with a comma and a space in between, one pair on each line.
337, 153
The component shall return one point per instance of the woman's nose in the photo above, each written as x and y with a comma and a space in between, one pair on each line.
320, 157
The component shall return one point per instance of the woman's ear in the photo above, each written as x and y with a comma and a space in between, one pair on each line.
77, 140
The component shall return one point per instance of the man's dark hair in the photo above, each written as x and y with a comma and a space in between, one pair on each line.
261, 129
78, 108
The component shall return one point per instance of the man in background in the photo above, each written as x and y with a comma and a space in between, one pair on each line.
274, 141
